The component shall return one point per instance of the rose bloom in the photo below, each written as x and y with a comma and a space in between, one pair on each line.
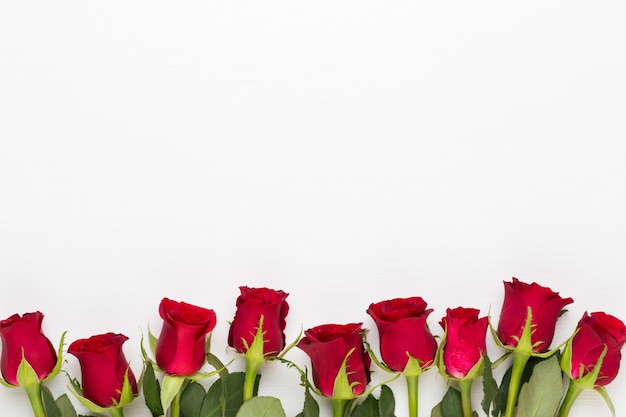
251, 305
23, 334
465, 340
402, 329
327, 346
181, 347
595, 331
103, 367
546, 306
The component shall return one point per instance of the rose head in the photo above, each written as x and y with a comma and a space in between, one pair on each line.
595, 332
103, 368
327, 346
181, 347
546, 306
251, 305
23, 334
464, 342
402, 330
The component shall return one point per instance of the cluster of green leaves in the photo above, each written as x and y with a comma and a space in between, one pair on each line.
370, 406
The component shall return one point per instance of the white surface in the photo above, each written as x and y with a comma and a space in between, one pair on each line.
345, 152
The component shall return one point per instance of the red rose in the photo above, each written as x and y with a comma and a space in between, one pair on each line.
103, 367
23, 335
327, 346
464, 343
181, 348
546, 306
596, 331
251, 305
402, 330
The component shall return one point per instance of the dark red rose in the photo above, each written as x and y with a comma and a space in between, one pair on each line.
402, 330
181, 348
103, 367
327, 346
546, 306
23, 334
465, 340
251, 305
595, 331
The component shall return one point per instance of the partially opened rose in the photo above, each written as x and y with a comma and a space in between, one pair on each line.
181, 347
464, 342
22, 335
328, 346
545, 305
103, 368
252, 304
403, 331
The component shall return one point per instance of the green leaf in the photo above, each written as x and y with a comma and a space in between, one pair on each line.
233, 392
262, 407
212, 404
65, 405
367, 408
490, 386
386, 402
191, 400
451, 404
152, 391
436, 411
541, 396
311, 407
52, 410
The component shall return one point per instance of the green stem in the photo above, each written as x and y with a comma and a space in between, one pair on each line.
34, 396
412, 383
466, 396
339, 407
116, 412
520, 358
573, 391
252, 367
175, 406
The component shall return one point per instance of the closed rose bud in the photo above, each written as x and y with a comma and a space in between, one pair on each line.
181, 347
464, 342
103, 368
545, 305
402, 330
23, 335
596, 331
327, 346
251, 305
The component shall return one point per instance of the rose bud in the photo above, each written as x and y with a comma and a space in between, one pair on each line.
402, 330
252, 304
104, 368
22, 335
335, 348
181, 347
545, 306
596, 332
464, 342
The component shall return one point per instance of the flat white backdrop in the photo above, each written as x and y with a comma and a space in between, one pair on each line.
345, 152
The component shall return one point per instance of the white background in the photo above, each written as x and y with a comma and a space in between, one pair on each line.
345, 152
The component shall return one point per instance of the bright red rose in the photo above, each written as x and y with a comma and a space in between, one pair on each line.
402, 330
546, 306
327, 346
251, 305
465, 343
595, 331
103, 367
181, 348
23, 334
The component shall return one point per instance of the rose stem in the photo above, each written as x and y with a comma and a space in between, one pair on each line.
252, 367
34, 396
573, 391
466, 396
519, 363
412, 382
175, 406
339, 407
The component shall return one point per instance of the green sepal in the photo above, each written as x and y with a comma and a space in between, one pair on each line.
26, 375
413, 367
172, 384
342, 389
605, 395
254, 352
375, 359
57, 366
292, 344
126, 396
